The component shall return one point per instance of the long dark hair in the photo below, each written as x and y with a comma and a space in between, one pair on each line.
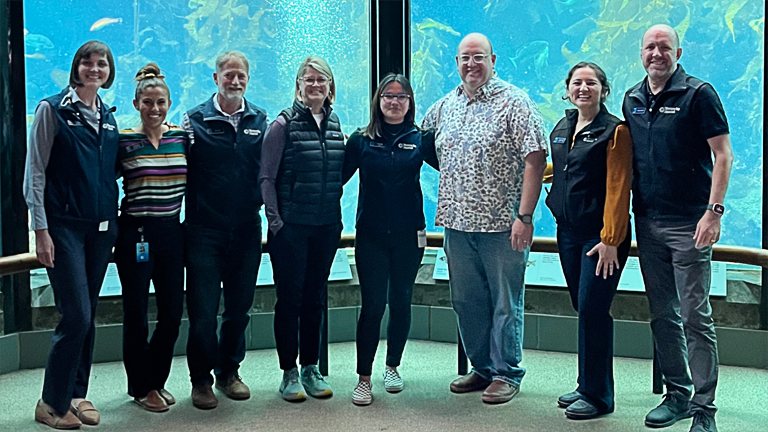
377, 117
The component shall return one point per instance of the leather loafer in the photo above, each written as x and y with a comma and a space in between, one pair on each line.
567, 399
152, 402
469, 383
46, 415
87, 413
499, 392
583, 410
203, 397
165, 394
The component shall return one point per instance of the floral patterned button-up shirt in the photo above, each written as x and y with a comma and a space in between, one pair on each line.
482, 143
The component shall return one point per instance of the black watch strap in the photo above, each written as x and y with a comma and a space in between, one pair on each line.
525, 218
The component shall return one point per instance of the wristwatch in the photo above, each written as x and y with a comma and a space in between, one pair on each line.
717, 208
525, 218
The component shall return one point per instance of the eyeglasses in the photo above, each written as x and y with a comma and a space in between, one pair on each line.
310, 81
478, 58
389, 97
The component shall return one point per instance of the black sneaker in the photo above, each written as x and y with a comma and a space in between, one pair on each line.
669, 412
703, 422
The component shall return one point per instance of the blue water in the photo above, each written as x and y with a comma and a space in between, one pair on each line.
543, 37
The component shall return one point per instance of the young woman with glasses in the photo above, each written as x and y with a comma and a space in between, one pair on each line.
390, 239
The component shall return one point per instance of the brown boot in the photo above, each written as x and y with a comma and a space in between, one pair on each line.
499, 392
203, 397
234, 388
165, 394
46, 415
469, 383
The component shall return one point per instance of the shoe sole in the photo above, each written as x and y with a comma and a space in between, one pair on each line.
362, 403
209, 406
576, 416
563, 404
393, 389
460, 390
669, 423
151, 409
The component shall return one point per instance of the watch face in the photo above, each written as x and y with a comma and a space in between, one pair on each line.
525, 218
718, 208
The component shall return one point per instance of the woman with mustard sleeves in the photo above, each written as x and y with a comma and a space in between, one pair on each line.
589, 198
390, 237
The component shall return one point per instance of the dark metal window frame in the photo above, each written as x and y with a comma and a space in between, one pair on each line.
390, 51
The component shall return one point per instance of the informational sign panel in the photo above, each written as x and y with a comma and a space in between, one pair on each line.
544, 269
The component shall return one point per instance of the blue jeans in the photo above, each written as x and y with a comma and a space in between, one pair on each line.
677, 281
215, 257
487, 280
82, 256
591, 297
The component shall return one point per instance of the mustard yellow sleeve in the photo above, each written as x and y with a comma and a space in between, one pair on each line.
548, 176
618, 185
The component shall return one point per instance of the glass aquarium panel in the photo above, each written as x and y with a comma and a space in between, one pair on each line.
536, 42
185, 36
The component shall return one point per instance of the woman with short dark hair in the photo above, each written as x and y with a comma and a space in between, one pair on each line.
70, 189
390, 237
589, 198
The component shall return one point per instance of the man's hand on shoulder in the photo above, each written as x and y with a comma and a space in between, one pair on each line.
707, 230
521, 236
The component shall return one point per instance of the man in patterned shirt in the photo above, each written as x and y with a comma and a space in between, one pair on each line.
492, 147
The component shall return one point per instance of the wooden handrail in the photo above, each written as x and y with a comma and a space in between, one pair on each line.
734, 254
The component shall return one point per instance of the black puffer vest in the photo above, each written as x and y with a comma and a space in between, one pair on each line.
309, 183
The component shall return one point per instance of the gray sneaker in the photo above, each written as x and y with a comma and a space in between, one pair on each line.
314, 382
291, 388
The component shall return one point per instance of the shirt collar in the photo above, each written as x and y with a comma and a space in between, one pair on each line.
74, 97
487, 89
218, 107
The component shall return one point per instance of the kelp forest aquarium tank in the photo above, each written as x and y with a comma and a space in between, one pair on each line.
536, 42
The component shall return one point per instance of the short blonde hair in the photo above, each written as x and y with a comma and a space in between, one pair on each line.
320, 65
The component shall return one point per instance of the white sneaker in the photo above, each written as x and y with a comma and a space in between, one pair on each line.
392, 381
363, 394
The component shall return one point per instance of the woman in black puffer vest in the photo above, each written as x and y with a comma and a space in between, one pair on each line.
301, 185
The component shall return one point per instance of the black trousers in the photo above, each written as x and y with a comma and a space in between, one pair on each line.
591, 297
301, 262
387, 265
219, 262
81, 256
148, 363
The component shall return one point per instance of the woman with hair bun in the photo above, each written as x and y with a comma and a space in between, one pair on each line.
150, 245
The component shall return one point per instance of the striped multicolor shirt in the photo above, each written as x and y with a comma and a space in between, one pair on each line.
154, 180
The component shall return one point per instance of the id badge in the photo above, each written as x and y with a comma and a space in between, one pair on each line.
422, 238
142, 252
103, 226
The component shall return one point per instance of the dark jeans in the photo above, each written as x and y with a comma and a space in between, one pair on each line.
217, 257
591, 297
386, 266
677, 279
301, 262
81, 255
148, 364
